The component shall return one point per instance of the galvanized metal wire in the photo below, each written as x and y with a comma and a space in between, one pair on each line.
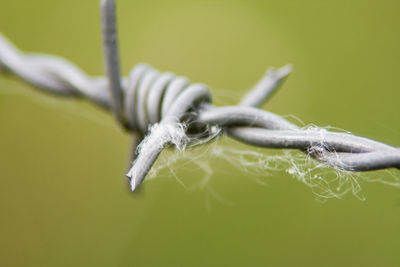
169, 110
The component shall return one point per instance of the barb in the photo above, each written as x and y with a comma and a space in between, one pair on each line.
111, 57
171, 111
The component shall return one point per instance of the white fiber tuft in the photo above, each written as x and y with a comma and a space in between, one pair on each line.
262, 164
161, 134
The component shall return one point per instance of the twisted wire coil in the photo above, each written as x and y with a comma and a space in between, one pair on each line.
167, 104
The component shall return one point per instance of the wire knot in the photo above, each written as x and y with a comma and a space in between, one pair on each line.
150, 95
156, 103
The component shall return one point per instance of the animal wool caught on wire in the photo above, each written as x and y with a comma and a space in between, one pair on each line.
166, 109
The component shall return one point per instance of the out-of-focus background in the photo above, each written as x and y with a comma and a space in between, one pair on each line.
65, 202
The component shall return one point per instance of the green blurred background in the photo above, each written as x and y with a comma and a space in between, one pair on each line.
65, 202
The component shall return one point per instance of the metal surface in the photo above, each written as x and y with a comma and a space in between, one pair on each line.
172, 106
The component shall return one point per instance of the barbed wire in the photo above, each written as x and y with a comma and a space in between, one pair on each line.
167, 109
